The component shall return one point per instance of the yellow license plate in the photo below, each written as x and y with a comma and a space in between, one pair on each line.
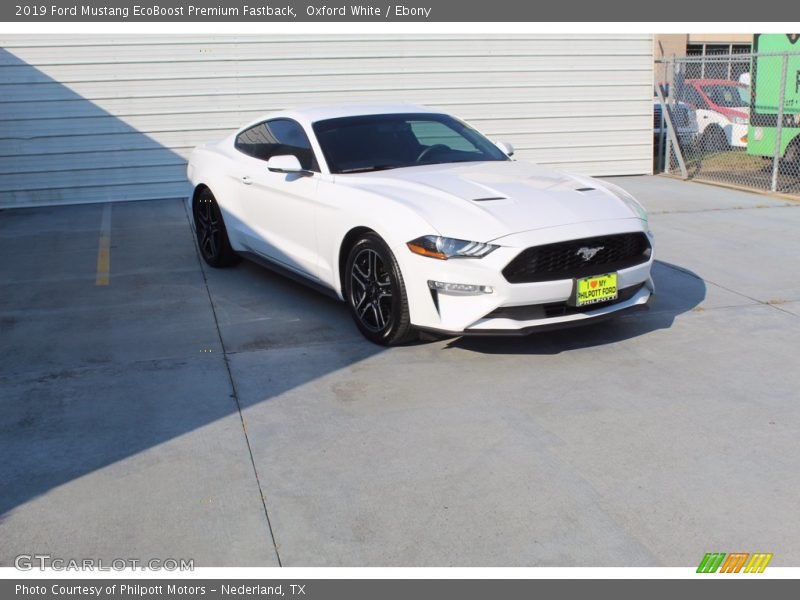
599, 288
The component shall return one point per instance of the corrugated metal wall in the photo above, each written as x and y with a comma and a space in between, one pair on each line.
97, 118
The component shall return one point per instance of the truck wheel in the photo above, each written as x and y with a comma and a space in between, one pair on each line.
713, 140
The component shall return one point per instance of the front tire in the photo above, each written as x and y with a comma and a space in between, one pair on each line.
713, 140
212, 237
376, 294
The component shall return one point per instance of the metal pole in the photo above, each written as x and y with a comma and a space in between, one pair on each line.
673, 91
661, 138
730, 59
673, 137
776, 160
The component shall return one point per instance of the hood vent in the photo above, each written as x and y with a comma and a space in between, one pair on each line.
489, 199
588, 189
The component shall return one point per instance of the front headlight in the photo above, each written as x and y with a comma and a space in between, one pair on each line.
739, 120
436, 246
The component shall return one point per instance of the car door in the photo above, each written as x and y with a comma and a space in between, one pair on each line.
278, 209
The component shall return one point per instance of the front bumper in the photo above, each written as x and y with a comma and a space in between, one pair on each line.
736, 134
540, 325
479, 314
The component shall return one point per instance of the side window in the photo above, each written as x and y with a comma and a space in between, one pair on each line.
257, 142
277, 137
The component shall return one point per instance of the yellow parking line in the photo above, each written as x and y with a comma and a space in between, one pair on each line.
104, 248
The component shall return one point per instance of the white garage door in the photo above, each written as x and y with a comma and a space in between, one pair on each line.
96, 118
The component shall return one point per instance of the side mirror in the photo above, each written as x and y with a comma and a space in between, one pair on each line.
285, 163
507, 148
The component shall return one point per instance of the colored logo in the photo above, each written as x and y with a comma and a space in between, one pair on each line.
734, 562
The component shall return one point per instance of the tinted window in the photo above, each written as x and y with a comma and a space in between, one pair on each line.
390, 141
275, 138
728, 96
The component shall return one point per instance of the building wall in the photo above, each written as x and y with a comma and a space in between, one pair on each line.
670, 44
720, 38
99, 118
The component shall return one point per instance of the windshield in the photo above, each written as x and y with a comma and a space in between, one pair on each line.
744, 94
390, 141
728, 96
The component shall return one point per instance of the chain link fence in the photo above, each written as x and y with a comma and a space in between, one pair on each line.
730, 118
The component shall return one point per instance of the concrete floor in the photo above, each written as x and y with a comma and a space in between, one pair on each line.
237, 418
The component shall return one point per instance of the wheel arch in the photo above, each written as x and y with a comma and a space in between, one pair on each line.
198, 189
792, 151
349, 239
714, 126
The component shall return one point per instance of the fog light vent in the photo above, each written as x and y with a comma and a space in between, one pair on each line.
462, 289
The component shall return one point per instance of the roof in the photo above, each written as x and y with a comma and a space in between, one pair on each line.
312, 114
715, 82
333, 111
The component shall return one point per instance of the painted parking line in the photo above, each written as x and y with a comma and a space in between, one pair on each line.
104, 247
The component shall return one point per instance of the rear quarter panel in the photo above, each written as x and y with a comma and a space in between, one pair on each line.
214, 166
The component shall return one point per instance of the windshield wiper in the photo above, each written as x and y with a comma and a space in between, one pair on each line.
367, 169
448, 162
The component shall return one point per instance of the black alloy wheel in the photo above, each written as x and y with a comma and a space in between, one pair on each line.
372, 290
212, 237
375, 292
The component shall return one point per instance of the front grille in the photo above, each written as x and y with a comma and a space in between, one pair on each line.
566, 260
531, 312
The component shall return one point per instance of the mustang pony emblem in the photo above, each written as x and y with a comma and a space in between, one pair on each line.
587, 253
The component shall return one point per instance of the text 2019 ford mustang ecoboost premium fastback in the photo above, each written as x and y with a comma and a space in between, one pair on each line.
418, 222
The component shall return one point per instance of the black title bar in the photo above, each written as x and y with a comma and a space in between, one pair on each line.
704, 586
366, 11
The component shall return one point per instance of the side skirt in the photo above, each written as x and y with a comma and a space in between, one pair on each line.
278, 268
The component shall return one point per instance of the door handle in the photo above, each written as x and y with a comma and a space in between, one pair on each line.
247, 180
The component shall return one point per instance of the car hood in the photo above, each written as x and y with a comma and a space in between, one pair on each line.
488, 200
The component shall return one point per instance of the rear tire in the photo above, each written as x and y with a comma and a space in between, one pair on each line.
212, 237
376, 294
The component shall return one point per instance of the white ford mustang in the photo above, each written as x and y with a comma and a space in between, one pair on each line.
418, 222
